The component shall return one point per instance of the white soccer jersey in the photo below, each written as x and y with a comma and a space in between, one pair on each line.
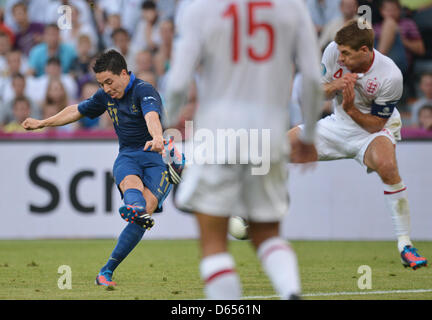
381, 85
246, 50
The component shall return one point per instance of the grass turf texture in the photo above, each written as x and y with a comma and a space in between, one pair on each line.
166, 270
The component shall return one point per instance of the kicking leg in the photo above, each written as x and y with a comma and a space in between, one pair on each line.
135, 196
277, 257
381, 157
221, 281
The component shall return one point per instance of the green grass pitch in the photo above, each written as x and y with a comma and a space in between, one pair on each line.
168, 269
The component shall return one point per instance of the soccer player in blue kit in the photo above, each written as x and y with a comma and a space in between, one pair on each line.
143, 177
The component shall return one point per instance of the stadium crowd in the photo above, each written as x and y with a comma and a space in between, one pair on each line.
45, 59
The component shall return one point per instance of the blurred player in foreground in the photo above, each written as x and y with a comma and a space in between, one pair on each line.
246, 50
140, 172
365, 87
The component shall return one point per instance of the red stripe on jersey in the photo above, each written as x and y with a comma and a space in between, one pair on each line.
393, 192
218, 274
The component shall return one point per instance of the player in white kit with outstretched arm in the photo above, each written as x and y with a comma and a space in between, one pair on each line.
366, 87
246, 51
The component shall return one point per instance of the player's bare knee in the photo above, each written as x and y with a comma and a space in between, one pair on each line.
131, 182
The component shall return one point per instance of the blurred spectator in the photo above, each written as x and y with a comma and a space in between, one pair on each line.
4, 28
348, 8
51, 47
88, 90
426, 99
148, 76
81, 69
18, 88
163, 56
323, 11
5, 47
28, 34
53, 71
113, 23
425, 117
144, 62
397, 37
49, 110
15, 66
129, 11
121, 41
147, 35
21, 111
71, 36
423, 20
16, 62
56, 95
37, 12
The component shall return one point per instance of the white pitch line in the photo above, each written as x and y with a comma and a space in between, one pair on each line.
328, 294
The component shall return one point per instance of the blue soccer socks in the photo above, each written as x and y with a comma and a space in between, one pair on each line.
127, 241
134, 197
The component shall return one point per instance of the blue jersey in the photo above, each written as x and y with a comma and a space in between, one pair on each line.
128, 112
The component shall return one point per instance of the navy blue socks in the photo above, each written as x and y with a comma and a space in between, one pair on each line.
129, 237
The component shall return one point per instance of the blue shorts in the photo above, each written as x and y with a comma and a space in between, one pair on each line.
149, 166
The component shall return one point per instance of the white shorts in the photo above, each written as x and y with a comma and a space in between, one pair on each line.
227, 190
343, 139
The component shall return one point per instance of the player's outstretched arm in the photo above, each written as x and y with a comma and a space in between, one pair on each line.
67, 115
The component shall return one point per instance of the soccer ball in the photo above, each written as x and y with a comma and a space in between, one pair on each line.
238, 228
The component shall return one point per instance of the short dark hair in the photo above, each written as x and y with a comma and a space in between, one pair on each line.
54, 60
353, 36
19, 4
112, 61
120, 30
21, 99
148, 4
